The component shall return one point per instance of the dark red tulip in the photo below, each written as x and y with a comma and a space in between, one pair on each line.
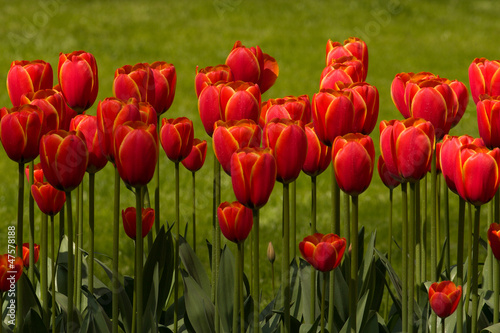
11, 270
37, 173
488, 120
26, 254
346, 69
176, 137
384, 174
352, 46
28, 76
323, 252
52, 104
211, 75
88, 126
67, 114
240, 100
444, 298
494, 239
484, 78
50, 201
196, 158
235, 221
129, 221
78, 78
136, 81
209, 106
165, 79
291, 107
318, 156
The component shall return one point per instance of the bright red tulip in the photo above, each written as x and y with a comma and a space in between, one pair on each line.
476, 174
129, 221
136, 81
211, 75
407, 147
20, 131
484, 78
318, 156
136, 152
494, 239
346, 69
253, 174
288, 141
444, 298
235, 221
28, 76
11, 269
240, 100
77, 74
384, 174
67, 112
49, 200
37, 173
353, 159
64, 157
488, 120
165, 79
323, 252
176, 137
52, 104
88, 126
232, 135
291, 107
352, 46
196, 158
252, 65
26, 254
209, 106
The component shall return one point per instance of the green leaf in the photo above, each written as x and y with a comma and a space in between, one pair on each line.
306, 271
62, 300
341, 295
225, 294
96, 319
193, 265
295, 290
33, 322
199, 308
492, 329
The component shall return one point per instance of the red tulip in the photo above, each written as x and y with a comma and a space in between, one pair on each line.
26, 254
165, 79
240, 100
77, 74
196, 158
353, 159
37, 173
484, 78
11, 270
353, 46
209, 106
476, 174
211, 75
129, 221
88, 126
444, 298
20, 131
407, 147
346, 69
28, 76
291, 107
288, 141
230, 136
136, 81
252, 65
67, 112
318, 156
52, 104
494, 239
49, 200
235, 221
384, 174
64, 157
253, 173
176, 137
488, 120
323, 252
136, 152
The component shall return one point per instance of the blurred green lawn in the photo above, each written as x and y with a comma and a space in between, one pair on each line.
442, 37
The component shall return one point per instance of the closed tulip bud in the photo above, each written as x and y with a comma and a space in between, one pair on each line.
51, 102
494, 239
290, 107
353, 159
235, 221
10, 271
49, 200
196, 158
129, 221
288, 141
209, 106
28, 76
318, 156
26, 254
211, 75
77, 74
176, 137
488, 120
365, 99
444, 298
240, 100
232, 135
323, 252
346, 69
385, 176
20, 131
88, 126
352, 46
165, 79
484, 78
37, 173
253, 174
64, 157
136, 81
271, 255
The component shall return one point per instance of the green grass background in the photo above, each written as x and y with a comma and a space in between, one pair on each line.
442, 37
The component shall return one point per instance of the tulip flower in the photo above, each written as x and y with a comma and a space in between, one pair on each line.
235, 221
323, 252
488, 121
50, 201
11, 270
232, 135
444, 298
384, 174
136, 152
494, 239
288, 141
165, 79
484, 78
37, 173
77, 74
67, 114
365, 99
352, 46
240, 100
20, 131
252, 65
88, 126
52, 104
136, 81
28, 76
253, 174
353, 159
26, 254
211, 75
176, 137
129, 220
196, 158
407, 148
318, 156
209, 106
290, 107
346, 69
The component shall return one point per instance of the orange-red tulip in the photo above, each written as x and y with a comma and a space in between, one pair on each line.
11, 269
494, 239
235, 221
37, 173
384, 174
165, 79
346, 69
129, 221
444, 298
323, 252
488, 120
318, 156
211, 75
352, 46
176, 137
136, 81
52, 104
240, 100
484, 78
290, 107
28, 76
88, 126
209, 106
196, 158
49, 200
26, 254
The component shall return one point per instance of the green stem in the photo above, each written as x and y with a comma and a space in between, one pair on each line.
44, 291
447, 229
116, 251
194, 211
91, 232
434, 231
469, 255
53, 270
496, 291
460, 261
313, 205
323, 297
217, 249
61, 224
443, 330
79, 251
475, 269
418, 239
313, 231
19, 241
139, 249
353, 285
423, 254
176, 255
336, 230
285, 271
157, 185
411, 259
71, 264
236, 292
389, 255
293, 219
241, 260
404, 255
255, 277
347, 217
31, 210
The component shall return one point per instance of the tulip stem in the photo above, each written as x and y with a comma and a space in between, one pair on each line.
313, 271
411, 244
91, 232
293, 218
347, 217
404, 257
31, 212
353, 285
176, 255
336, 230
19, 240
79, 242
447, 229
116, 252
1, 307
255, 277
434, 231
460, 261
236, 296
389, 254
496, 290
54, 267
44, 293
323, 297
469, 255
138, 257
217, 247
443, 330
313, 204
241, 258
157, 185
475, 268
71, 266
194, 210
285, 271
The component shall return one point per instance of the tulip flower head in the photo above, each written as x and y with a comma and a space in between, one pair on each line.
52, 104
345, 69
37, 173
318, 156
488, 120
209, 106
271, 255
240, 100
165, 79
49, 200
211, 75
28, 76
176, 137
88, 126
290, 107
323, 252
10, 271
484, 78
352, 46
494, 239
137, 81
444, 298
196, 158
385, 176
235, 221
26, 253
129, 221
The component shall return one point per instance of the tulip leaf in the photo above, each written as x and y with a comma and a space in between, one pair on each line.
95, 319
199, 308
224, 296
33, 322
295, 290
492, 329
310, 328
30, 300
341, 294
193, 265
306, 271
62, 300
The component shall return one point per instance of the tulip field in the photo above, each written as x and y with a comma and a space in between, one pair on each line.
250, 166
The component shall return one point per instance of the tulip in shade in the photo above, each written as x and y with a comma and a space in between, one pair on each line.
240, 100
9, 268
494, 239
78, 78
37, 173
323, 252
50, 201
484, 78
488, 120
136, 81
291, 107
211, 75
88, 126
52, 104
385, 176
318, 156
235, 221
352, 46
165, 79
176, 136
444, 298
28, 76
26, 253
253, 174
196, 158
129, 221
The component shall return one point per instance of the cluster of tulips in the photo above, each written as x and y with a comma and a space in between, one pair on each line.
256, 143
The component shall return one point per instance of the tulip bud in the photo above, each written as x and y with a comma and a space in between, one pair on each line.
346, 69
240, 100
235, 221
88, 126
26, 254
165, 79
352, 46
444, 298
209, 106
129, 221
494, 239
484, 78
211, 75
290, 107
318, 156
176, 137
136, 81
271, 255
49, 200
385, 176
196, 158
488, 113
10, 271
37, 173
